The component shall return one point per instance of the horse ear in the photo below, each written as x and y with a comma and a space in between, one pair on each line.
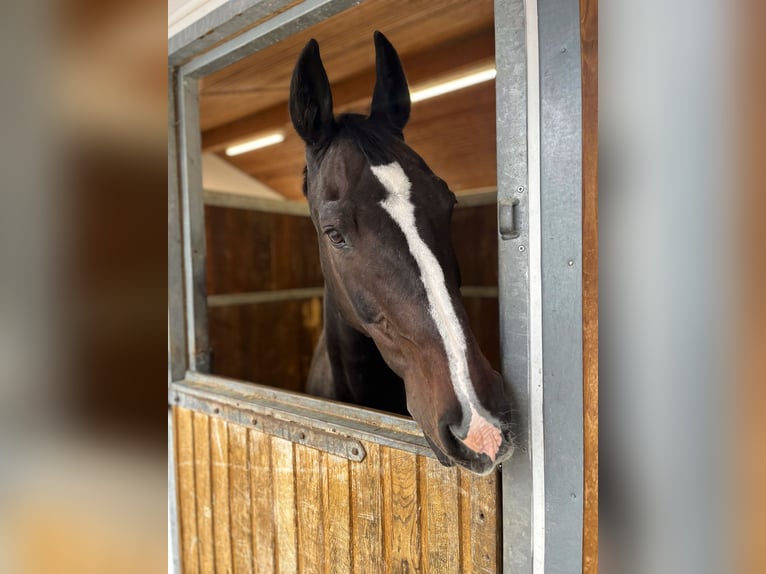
391, 98
310, 97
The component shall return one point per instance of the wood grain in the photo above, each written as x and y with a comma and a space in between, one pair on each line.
219, 459
354, 93
261, 487
260, 81
337, 515
239, 495
269, 505
308, 491
589, 55
483, 522
283, 475
183, 428
401, 477
366, 507
440, 517
204, 495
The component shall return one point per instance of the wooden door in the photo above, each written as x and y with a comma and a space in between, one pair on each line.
253, 502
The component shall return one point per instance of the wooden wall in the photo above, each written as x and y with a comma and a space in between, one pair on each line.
272, 343
254, 503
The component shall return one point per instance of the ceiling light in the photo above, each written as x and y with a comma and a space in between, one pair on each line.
475, 77
258, 143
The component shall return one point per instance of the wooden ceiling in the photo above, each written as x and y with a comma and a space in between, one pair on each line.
454, 133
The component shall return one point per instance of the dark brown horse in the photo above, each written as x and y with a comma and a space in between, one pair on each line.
396, 335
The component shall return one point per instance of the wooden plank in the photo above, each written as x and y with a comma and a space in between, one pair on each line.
286, 539
219, 461
387, 507
337, 515
400, 472
204, 494
440, 517
261, 487
479, 515
184, 432
589, 57
308, 494
466, 534
239, 496
366, 508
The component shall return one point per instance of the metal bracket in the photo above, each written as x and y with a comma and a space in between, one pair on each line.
336, 444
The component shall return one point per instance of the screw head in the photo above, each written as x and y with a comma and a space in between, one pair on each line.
522, 248
520, 188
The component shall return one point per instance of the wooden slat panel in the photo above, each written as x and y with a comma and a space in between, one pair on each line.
440, 511
337, 515
204, 495
479, 509
184, 433
284, 505
308, 493
219, 458
366, 507
401, 477
239, 488
261, 486
269, 505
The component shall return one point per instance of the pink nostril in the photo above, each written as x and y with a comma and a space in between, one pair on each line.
483, 437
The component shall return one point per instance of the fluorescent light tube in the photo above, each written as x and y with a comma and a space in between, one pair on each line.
453, 85
258, 143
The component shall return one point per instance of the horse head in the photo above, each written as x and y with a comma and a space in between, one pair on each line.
383, 222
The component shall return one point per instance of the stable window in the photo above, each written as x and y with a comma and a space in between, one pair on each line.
342, 485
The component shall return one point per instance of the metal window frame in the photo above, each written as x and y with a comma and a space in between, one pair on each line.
539, 174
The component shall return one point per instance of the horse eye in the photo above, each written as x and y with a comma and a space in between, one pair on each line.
336, 238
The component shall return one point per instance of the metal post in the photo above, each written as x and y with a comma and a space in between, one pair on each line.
561, 226
193, 223
513, 254
176, 326
539, 176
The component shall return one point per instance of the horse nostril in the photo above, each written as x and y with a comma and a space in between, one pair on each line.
481, 437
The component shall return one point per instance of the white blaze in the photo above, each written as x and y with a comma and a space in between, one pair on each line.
402, 210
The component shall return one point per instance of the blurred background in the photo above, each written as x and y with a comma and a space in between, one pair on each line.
83, 309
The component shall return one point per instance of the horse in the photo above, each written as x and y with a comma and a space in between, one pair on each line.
396, 334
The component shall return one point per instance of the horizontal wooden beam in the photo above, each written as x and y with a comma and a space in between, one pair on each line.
470, 198
241, 201
277, 295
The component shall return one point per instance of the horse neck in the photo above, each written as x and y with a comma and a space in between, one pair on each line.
358, 368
